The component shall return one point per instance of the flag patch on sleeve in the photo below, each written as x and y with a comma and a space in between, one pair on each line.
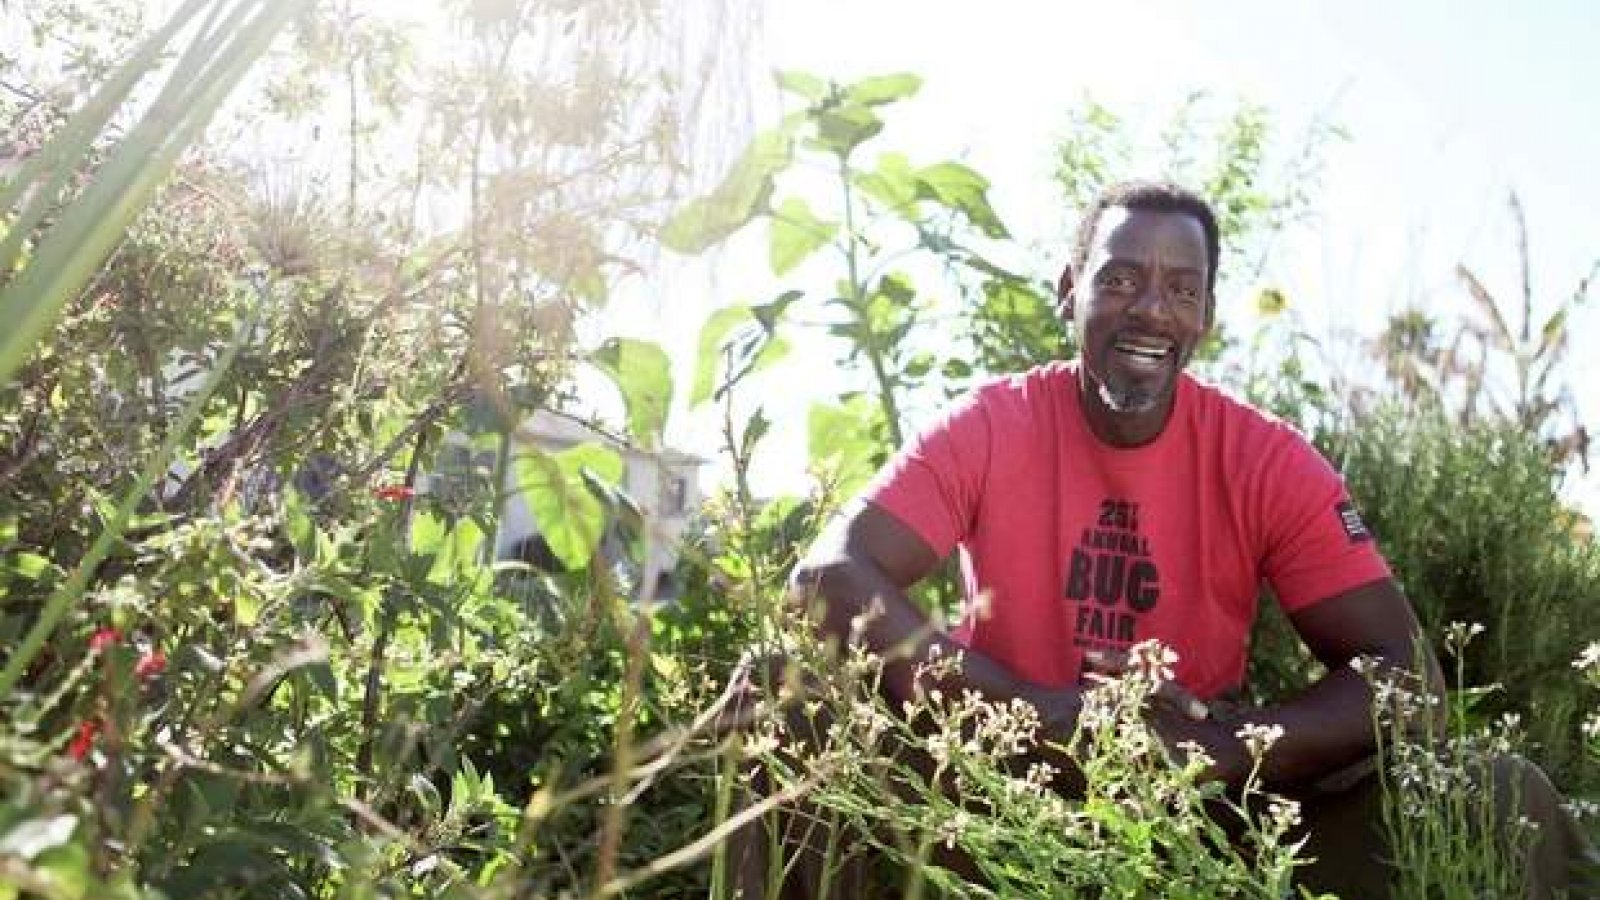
1354, 528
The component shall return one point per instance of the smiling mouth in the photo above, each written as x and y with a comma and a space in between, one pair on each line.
1144, 353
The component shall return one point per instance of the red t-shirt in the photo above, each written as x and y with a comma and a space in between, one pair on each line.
1078, 544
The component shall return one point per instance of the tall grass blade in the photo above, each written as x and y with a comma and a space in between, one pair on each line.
72, 250
44, 175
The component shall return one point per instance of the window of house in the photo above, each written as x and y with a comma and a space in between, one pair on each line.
677, 495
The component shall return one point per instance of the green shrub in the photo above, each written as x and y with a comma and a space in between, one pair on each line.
1472, 524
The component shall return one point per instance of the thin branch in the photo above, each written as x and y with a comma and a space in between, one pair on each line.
698, 849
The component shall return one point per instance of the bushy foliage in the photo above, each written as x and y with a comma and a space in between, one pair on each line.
1470, 519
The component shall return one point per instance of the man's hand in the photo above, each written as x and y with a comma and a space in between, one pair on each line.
1109, 664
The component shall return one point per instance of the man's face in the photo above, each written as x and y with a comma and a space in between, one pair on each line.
1141, 306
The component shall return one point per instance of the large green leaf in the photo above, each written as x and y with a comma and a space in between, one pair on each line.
743, 337
959, 188
841, 129
568, 515
893, 183
643, 373
740, 196
459, 556
881, 89
796, 234
713, 335
847, 442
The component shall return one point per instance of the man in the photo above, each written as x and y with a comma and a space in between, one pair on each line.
1114, 500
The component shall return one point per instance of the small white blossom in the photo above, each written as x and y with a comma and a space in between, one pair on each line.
1582, 809
1284, 813
952, 828
1258, 739
1457, 635
1589, 659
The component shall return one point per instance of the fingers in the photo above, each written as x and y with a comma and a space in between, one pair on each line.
1107, 664
1173, 695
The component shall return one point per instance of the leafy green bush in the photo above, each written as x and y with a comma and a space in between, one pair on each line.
1470, 520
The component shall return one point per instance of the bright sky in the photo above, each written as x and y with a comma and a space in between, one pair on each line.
1449, 103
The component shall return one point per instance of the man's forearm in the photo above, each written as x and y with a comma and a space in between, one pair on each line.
1327, 727
853, 601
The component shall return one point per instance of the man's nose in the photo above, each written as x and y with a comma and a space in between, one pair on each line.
1149, 304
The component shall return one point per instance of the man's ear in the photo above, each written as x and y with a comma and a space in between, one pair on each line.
1064, 296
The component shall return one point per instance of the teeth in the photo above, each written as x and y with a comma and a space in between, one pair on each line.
1145, 350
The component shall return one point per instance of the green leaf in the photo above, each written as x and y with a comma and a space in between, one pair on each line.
841, 129
712, 336
742, 194
743, 337
427, 532
297, 523
66, 870
804, 84
846, 442
881, 89
569, 516
458, 556
246, 608
28, 565
961, 189
796, 234
893, 183
643, 373
601, 462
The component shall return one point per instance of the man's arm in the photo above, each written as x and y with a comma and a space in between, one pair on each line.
859, 569
1330, 724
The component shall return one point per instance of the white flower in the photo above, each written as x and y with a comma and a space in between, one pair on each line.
1196, 755
950, 831
1258, 739
1457, 635
1589, 659
1364, 666
1152, 660
1285, 813
1582, 809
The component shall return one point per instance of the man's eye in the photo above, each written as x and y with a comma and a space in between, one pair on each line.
1117, 281
1186, 294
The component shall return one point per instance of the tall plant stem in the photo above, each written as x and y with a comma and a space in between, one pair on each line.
616, 816
866, 340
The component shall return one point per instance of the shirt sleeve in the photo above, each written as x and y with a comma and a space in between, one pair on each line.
933, 485
1317, 546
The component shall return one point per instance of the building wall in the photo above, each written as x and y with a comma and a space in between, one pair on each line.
663, 484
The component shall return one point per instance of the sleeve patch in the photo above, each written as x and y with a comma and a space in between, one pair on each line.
1355, 529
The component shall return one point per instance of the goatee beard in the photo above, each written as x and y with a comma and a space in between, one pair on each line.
1130, 401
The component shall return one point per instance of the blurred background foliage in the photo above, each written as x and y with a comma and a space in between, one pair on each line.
253, 649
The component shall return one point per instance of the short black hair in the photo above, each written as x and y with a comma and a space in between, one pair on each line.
1151, 196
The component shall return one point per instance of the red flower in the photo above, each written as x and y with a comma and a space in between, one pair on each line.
83, 741
104, 638
394, 492
150, 665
